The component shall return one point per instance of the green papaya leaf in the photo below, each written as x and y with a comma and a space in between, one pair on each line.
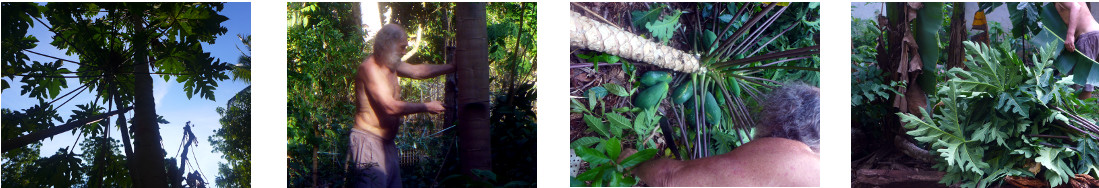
640, 18
664, 29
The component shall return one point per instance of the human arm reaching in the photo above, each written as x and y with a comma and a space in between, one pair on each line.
381, 91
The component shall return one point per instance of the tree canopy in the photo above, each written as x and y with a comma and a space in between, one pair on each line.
117, 47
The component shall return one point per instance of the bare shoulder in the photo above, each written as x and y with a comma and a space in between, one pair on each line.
777, 145
366, 67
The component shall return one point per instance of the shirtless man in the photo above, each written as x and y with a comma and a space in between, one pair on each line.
377, 96
785, 152
1082, 34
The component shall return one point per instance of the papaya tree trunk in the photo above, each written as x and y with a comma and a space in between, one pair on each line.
148, 155
587, 33
472, 73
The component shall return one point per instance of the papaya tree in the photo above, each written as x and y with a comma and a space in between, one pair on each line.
120, 47
472, 73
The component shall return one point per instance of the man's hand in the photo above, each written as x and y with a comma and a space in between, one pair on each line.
435, 107
1070, 43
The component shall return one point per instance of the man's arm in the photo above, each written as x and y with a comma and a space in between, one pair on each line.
1070, 37
381, 92
423, 71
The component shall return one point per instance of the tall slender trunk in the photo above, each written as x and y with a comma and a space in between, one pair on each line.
124, 131
473, 91
96, 179
148, 154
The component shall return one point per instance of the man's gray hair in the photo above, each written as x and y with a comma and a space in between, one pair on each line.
792, 112
386, 39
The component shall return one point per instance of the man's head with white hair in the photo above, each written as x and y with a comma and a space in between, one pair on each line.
389, 45
792, 112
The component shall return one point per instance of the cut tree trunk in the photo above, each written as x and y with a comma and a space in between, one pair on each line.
587, 33
148, 154
897, 178
472, 73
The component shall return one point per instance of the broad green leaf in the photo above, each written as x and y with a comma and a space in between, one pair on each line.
597, 124
577, 107
928, 22
594, 95
573, 182
592, 174
638, 158
593, 156
618, 120
616, 89
585, 142
614, 147
708, 39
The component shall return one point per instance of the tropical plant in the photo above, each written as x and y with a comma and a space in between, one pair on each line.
119, 46
321, 52
605, 167
1026, 123
729, 69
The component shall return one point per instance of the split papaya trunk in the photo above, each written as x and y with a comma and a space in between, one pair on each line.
593, 35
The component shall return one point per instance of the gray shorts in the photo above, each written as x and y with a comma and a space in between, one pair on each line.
374, 161
1088, 44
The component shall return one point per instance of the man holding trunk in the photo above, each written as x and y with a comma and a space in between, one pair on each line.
372, 152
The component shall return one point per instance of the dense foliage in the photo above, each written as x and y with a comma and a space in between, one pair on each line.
981, 146
234, 139
321, 52
325, 45
746, 48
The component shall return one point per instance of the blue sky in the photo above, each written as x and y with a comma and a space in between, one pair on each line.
172, 102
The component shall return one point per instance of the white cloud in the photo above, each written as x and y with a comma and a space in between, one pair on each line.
160, 89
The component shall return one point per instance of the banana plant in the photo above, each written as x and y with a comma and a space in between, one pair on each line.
1085, 70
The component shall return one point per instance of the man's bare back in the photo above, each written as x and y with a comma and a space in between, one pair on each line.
1078, 17
761, 162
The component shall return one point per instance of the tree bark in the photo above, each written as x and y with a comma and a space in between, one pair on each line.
473, 91
955, 50
148, 154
